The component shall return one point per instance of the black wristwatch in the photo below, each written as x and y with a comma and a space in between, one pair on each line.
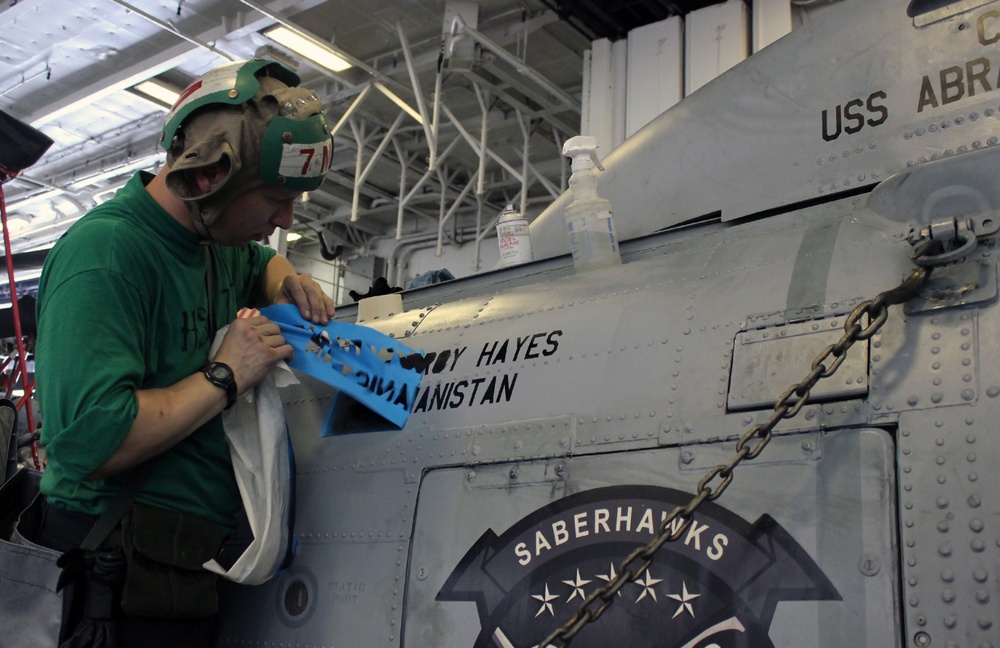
221, 375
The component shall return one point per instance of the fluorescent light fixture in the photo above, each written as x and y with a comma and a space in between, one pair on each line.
48, 195
323, 56
291, 237
17, 223
399, 102
144, 162
106, 194
161, 92
106, 86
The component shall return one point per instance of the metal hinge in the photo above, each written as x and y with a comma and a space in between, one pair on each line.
949, 239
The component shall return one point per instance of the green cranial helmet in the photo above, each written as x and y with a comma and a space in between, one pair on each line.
251, 118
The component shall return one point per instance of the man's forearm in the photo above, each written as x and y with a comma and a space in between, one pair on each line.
274, 274
166, 417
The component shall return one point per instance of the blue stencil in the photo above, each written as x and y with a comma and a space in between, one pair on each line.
361, 363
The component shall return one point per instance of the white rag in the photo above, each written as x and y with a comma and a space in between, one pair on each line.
258, 444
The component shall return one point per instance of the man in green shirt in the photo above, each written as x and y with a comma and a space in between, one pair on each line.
129, 303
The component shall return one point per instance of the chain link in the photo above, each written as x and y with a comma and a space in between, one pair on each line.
677, 521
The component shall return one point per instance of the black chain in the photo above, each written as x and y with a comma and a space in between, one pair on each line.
677, 521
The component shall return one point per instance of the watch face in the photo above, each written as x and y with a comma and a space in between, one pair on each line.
220, 372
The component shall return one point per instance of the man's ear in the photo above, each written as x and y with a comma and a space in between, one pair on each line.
206, 179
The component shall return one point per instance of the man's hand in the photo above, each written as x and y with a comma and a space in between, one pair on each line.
283, 285
303, 291
251, 347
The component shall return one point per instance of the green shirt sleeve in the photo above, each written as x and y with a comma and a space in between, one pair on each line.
91, 365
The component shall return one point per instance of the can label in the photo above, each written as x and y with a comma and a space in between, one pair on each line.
514, 242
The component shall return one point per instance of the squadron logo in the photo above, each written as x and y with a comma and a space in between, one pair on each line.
716, 587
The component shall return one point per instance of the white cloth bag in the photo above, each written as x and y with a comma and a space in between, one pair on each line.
258, 444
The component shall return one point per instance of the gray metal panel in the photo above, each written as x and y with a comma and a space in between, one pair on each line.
325, 593
948, 483
930, 363
949, 527
767, 361
837, 504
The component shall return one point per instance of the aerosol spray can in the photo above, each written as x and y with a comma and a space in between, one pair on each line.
513, 238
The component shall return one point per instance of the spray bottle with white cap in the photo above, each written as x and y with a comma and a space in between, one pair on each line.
589, 217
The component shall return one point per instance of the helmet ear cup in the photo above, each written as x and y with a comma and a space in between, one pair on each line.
296, 154
203, 170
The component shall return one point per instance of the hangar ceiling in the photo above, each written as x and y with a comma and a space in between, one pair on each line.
613, 20
491, 90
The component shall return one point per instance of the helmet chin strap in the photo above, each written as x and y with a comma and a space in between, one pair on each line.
206, 211
198, 221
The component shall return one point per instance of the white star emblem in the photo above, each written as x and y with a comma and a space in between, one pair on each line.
546, 601
647, 583
577, 586
684, 598
610, 577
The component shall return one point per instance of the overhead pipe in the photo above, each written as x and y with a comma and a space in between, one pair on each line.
442, 201
570, 20
475, 145
479, 241
405, 254
403, 167
361, 141
391, 270
401, 250
338, 270
406, 199
436, 115
565, 98
490, 228
528, 166
482, 96
415, 83
523, 209
396, 99
351, 109
173, 30
46, 70
562, 168
359, 178
585, 93
455, 205
45, 233
545, 182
